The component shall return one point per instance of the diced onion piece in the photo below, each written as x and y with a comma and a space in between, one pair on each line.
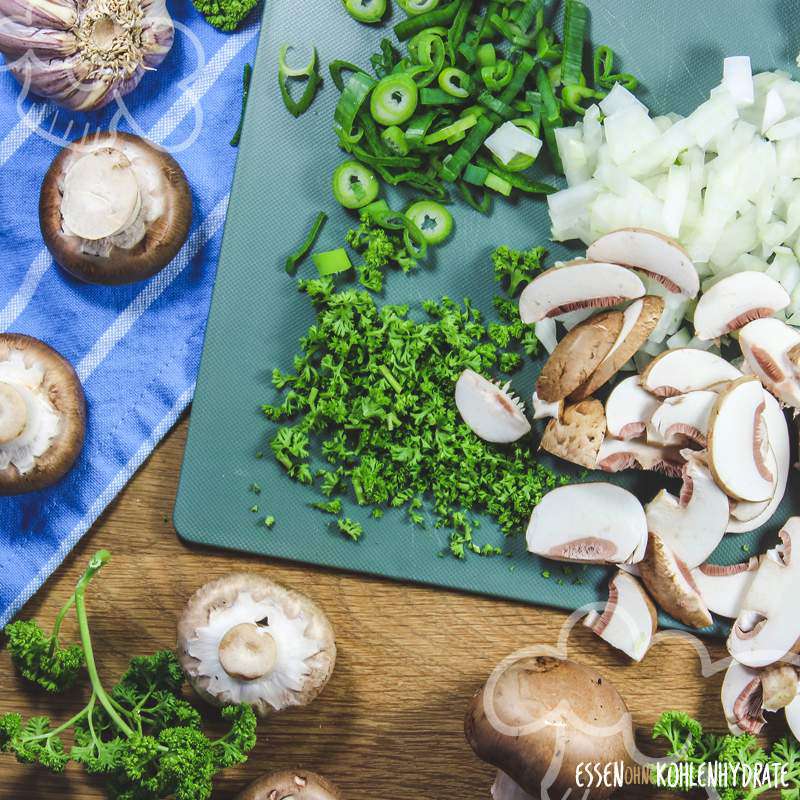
508, 140
737, 78
618, 99
774, 110
788, 129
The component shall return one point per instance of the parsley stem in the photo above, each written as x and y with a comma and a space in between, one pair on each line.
68, 724
390, 378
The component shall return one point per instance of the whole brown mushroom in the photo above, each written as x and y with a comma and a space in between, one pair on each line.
290, 785
42, 415
539, 717
114, 209
243, 638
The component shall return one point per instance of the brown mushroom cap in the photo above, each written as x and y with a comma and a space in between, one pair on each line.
223, 592
292, 785
65, 393
164, 236
526, 695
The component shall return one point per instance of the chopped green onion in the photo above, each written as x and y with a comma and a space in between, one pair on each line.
456, 33
498, 184
496, 105
524, 67
378, 207
416, 7
576, 18
547, 49
355, 93
603, 68
573, 94
516, 180
302, 251
309, 73
429, 50
497, 76
384, 63
443, 17
437, 97
482, 205
413, 238
394, 138
433, 219
332, 262
459, 160
486, 55
368, 11
418, 127
532, 11
336, 68
511, 31
455, 82
394, 99
354, 186
247, 74
475, 175
458, 127
521, 161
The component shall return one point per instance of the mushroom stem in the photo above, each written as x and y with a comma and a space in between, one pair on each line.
247, 652
13, 413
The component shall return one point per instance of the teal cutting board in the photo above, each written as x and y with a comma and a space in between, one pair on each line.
257, 316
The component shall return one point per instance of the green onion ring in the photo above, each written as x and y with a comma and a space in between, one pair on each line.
460, 126
415, 7
368, 11
394, 138
434, 221
455, 82
394, 100
332, 262
295, 258
355, 93
354, 185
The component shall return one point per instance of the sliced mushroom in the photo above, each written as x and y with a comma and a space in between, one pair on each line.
778, 686
114, 208
589, 522
42, 415
682, 418
766, 345
616, 455
741, 699
629, 619
723, 587
578, 355
639, 320
738, 442
768, 625
662, 258
735, 300
629, 408
671, 584
686, 369
577, 436
542, 410
291, 785
778, 433
577, 284
489, 409
245, 639
693, 525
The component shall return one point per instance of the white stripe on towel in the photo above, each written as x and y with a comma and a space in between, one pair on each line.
22, 131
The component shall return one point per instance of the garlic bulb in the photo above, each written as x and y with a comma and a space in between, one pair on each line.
81, 54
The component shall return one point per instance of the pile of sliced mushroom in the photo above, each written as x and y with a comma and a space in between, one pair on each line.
686, 412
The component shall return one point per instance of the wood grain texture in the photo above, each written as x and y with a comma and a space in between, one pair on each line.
389, 725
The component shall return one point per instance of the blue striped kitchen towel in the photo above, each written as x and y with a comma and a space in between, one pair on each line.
136, 348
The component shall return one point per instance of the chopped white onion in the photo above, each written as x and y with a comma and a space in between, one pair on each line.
509, 140
737, 78
774, 110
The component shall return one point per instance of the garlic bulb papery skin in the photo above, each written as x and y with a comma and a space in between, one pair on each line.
281, 686
138, 188
42, 422
84, 54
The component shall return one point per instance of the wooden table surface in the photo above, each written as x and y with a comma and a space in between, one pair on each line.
389, 724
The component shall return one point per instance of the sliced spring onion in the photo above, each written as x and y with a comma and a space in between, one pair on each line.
309, 74
475, 175
458, 127
311, 237
496, 105
456, 33
395, 139
355, 93
247, 75
516, 180
336, 68
497, 76
483, 204
442, 16
368, 11
572, 95
332, 262
511, 31
486, 55
576, 18
498, 184
603, 69
516, 145
455, 82
532, 11
418, 127
459, 160
428, 48
437, 97
433, 220
394, 99
413, 238
415, 7
523, 68
354, 186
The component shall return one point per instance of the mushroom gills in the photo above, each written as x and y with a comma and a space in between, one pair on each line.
577, 285
735, 300
671, 585
693, 524
686, 369
588, 522
768, 627
723, 587
629, 619
660, 257
741, 699
766, 346
738, 442
616, 455
629, 408
490, 410
681, 418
